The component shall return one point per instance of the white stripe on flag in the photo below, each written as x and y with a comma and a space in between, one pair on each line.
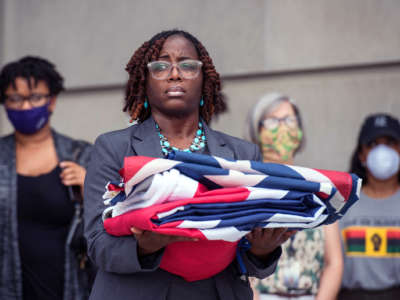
170, 212
313, 175
359, 185
337, 201
325, 187
313, 224
199, 224
289, 218
166, 187
155, 166
238, 165
229, 234
236, 179
265, 193
185, 187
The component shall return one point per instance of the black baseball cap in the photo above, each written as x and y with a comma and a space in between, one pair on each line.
378, 125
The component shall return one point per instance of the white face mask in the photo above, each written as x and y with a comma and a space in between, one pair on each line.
383, 162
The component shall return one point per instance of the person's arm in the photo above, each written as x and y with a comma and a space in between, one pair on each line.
74, 172
140, 252
109, 253
331, 277
265, 250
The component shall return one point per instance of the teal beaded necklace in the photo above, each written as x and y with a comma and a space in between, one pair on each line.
199, 141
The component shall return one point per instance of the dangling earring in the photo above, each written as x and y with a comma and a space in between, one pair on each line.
146, 104
201, 101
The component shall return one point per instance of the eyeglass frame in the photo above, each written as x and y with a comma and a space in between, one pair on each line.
176, 65
22, 99
278, 121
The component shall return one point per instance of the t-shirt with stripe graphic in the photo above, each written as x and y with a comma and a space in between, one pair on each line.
371, 243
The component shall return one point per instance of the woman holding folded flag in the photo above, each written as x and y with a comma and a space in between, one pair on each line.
172, 93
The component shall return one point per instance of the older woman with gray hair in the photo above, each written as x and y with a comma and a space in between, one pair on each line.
311, 265
277, 143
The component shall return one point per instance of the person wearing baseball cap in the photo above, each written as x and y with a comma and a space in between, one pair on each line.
371, 228
379, 125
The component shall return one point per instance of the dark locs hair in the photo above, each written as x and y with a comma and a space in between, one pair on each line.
135, 93
34, 68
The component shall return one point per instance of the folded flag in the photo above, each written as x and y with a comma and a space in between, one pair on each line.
218, 201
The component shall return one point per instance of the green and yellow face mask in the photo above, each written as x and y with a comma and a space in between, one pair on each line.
279, 144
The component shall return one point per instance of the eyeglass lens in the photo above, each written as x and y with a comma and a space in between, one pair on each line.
188, 69
272, 123
34, 99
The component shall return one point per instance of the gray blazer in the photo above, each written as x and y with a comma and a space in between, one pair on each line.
122, 274
10, 264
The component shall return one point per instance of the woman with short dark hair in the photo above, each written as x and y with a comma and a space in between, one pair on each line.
41, 181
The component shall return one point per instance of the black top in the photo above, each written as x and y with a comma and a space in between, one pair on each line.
44, 215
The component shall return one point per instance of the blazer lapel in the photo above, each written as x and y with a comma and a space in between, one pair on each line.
145, 140
216, 145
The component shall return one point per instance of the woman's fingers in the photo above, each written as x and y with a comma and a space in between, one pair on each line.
67, 172
269, 234
71, 180
72, 173
286, 235
273, 233
151, 242
68, 176
265, 240
136, 230
182, 239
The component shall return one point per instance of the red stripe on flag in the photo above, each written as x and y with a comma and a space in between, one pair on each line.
198, 260
341, 180
322, 195
135, 163
141, 218
201, 189
113, 187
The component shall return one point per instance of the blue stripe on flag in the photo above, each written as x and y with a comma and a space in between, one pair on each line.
255, 210
275, 170
274, 182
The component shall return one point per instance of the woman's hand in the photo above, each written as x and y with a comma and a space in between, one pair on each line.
72, 173
266, 240
150, 242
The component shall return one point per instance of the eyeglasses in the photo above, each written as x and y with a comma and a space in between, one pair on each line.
273, 123
188, 68
17, 101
